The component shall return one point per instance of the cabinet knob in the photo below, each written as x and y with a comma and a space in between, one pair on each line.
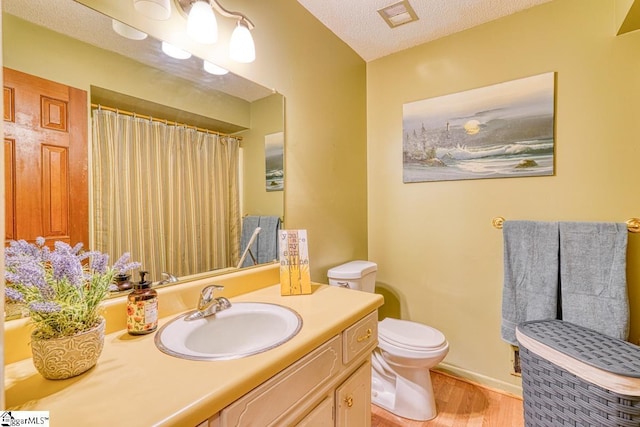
349, 401
365, 337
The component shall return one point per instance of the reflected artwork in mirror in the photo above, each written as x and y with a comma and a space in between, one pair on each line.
77, 46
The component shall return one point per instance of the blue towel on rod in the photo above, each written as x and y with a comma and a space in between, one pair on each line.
265, 246
530, 288
249, 224
268, 239
593, 280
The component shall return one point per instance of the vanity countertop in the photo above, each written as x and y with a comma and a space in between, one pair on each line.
135, 384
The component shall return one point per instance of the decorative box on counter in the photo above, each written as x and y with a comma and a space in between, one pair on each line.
295, 278
574, 376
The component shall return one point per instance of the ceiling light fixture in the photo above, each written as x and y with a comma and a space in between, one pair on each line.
126, 31
201, 20
398, 14
155, 9
175, 52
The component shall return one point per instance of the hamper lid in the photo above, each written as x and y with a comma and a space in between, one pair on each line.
352, 270
586, 345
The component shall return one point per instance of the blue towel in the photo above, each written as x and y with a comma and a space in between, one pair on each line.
530, 288
593, 276
249, 224
268, 239
265, 246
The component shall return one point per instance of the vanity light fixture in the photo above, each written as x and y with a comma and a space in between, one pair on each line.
175, 52
212, 68
126, 31
201, 23
241, 46
159, 10
202, 27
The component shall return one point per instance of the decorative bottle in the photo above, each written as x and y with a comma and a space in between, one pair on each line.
142, 308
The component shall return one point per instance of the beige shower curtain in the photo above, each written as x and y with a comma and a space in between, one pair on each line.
167, 194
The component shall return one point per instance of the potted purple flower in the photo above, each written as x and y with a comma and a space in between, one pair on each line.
62, 291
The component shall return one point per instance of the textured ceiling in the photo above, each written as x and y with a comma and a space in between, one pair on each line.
358, 23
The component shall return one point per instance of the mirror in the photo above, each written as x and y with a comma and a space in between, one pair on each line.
159, 86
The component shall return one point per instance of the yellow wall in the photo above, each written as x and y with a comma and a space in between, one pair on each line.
267, 117
438, 255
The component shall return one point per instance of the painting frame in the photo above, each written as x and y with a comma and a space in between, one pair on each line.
502, 130
274, 161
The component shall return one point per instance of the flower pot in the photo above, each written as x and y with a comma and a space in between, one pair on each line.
66, 357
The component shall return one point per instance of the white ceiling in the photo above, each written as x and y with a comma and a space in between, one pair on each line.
359, 25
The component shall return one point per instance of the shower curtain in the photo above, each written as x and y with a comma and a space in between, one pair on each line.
167, 194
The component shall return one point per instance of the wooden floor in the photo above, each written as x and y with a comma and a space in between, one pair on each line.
460, 404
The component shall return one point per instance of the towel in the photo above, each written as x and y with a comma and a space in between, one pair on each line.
593, 280
265, 246
268, 239
530, 288
249, 224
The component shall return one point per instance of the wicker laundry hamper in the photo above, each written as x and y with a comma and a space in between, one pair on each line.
574, 376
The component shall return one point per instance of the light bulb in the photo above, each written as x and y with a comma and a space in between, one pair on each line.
126, 31
212, 68
201, 23
154, 9
175, 52
241, 46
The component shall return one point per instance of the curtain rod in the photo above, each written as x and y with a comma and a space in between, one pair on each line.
165, 121
633, 224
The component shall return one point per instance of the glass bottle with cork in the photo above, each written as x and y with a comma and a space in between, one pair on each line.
142, 308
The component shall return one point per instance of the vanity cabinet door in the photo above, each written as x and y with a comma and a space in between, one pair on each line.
321, 416
353, 399
288, 391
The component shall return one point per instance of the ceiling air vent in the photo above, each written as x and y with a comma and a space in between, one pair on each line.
398, 13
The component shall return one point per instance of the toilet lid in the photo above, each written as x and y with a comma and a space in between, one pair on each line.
410, 335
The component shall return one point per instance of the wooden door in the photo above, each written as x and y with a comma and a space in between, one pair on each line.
46, 169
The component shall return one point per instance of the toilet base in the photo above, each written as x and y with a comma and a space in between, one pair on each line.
409, 396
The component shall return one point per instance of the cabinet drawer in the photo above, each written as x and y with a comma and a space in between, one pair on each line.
266, 404
360, 337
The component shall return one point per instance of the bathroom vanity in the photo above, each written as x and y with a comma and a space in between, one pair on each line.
322, 376
329, 386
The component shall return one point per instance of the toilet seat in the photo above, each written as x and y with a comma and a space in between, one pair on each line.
409, 337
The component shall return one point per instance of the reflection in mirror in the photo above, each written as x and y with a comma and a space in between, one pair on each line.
75, 46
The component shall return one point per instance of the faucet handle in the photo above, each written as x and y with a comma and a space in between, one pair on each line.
206, 296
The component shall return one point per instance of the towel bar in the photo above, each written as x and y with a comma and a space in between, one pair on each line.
633, 224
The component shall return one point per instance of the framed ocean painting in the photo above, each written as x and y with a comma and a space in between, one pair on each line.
274, 161
501, 131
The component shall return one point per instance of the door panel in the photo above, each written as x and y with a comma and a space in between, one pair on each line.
46, 133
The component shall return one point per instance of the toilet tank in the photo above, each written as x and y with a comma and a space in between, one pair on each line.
360, 275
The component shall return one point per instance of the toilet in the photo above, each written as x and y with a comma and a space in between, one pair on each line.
401, 382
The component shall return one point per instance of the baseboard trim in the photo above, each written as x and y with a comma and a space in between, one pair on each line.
480, 380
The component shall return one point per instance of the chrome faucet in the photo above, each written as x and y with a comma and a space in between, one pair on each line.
167, 278
208, 305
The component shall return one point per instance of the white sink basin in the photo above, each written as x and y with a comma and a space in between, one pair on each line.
244, 329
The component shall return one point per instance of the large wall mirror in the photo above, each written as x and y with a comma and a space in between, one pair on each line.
74, 45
